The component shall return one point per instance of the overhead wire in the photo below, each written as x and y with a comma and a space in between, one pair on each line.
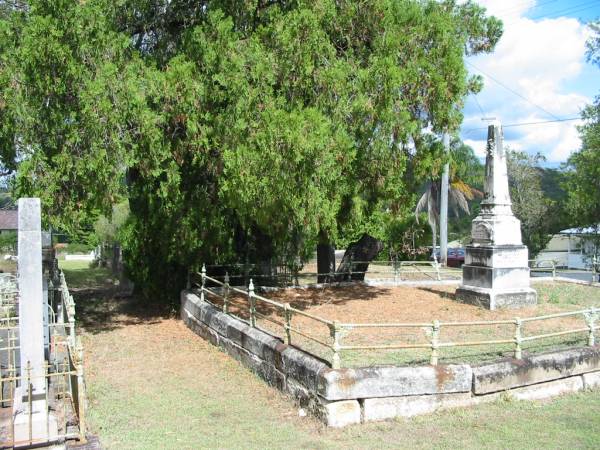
514, 10
523, 124
510, 89
478, 105
557, 13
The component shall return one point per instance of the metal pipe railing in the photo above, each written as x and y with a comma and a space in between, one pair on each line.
338, 330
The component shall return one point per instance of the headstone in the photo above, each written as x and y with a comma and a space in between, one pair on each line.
496, 270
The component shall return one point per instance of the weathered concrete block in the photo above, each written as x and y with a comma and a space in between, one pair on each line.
303, 367
591, 380
340, 414
499, 257
201, 329
264, 345
549, 389
374, 382
390, 407
496, 299
263, 369
191, 302
298, 391
236, 331
534, 369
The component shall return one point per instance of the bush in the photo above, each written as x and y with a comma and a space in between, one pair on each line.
78, 248
8, 241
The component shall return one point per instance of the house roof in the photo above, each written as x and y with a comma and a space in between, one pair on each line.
582, 230
9, 219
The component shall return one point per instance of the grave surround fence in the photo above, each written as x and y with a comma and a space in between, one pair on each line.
338, 330
63, 371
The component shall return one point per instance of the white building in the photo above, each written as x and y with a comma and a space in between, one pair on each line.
572, 248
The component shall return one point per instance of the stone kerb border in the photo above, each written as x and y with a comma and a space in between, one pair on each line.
342, 397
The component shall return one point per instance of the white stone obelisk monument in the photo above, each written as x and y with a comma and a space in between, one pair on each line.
496, 270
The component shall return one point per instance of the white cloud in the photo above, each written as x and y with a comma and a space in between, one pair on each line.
536, 59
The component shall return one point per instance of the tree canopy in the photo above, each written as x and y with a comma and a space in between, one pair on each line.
582, 177
235, 129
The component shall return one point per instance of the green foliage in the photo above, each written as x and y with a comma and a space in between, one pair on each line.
529, 203
78, 248
582, 170
107, 229
235, 130
8, 241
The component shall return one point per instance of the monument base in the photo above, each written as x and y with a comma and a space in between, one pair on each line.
497, 299
496, 276
35, 427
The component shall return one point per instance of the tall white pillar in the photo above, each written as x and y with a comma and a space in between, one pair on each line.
33, 422
444, 206
31, 301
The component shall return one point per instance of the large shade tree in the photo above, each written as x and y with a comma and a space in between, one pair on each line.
582, 182
235, 129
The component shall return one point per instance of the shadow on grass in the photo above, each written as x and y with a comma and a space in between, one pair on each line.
438, 291
105, 309
308, 298
101, 304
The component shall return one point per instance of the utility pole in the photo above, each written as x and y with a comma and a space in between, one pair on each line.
444, 206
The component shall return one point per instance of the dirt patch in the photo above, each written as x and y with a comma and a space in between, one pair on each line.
363, 304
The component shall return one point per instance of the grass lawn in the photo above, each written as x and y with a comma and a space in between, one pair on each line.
153, 384
79, 274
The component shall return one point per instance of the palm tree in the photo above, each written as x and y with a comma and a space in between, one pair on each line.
459, 195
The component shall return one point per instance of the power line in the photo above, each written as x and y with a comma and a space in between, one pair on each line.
557, 13
523, 124
513, 11
511, 90
570, 9
478, 105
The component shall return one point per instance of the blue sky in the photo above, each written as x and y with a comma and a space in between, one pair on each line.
537, 73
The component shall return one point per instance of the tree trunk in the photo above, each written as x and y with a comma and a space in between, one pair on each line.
357, 257
325, 262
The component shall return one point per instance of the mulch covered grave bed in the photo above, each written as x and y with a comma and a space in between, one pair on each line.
405, 304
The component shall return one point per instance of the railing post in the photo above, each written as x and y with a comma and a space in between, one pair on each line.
350, 270
591, 319
29, 402
226, 294
81, 395
336, 360
252, 301
203, 278
71, 325
518, 339
435, 338
437, 269
395, 271
553, 270
288, 323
